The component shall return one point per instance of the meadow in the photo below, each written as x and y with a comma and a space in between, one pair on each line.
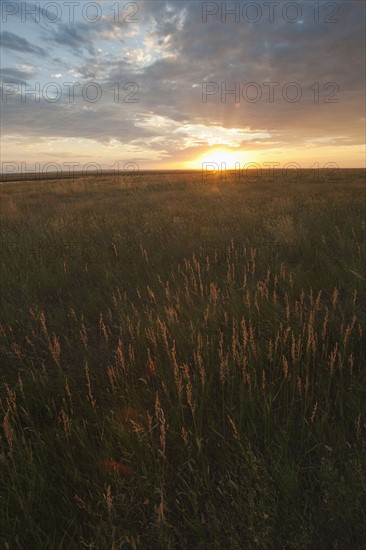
182, 362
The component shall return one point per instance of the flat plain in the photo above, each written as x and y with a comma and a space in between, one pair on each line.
182, 362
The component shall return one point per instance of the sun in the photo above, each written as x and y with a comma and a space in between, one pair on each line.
223, 158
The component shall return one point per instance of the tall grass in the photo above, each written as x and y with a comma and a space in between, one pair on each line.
183, 364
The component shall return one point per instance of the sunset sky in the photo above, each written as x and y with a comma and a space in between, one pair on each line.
173, 52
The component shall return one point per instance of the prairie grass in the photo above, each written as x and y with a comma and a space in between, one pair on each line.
182, 363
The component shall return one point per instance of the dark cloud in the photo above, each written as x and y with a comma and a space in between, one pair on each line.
11, 41
74, 36
15, 76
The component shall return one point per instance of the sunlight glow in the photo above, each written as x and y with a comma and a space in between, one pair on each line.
220, 156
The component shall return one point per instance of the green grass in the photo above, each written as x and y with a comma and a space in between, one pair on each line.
209, 336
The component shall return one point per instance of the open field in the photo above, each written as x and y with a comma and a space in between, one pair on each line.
182, 363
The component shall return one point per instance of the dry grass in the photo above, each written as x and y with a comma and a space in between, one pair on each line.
183, 364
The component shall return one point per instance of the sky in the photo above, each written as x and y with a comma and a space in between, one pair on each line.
182, 84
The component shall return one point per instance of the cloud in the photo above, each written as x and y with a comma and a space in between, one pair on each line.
75, 37
16, 76
11, 41
170, 53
